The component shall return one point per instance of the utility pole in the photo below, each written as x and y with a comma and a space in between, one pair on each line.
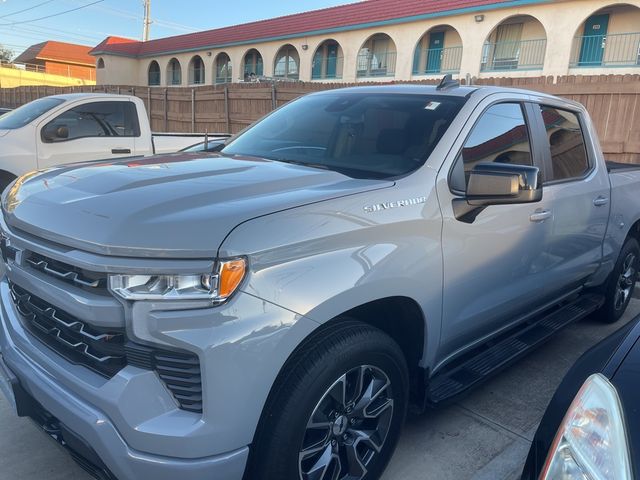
147, 20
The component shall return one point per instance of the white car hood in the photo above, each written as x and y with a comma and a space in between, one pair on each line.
3, 132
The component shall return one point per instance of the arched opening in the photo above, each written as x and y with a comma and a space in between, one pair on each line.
517, 43
174, 72
196, 71
438, 51
153, 74
100, 63
328, 61
223, 69
609, 37
287, 64
377, 57
253, 65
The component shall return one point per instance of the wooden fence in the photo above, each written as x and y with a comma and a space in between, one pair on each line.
612, 100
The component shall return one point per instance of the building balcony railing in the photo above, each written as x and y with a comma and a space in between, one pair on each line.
614, 50
376, 64
437, 60
520, 55
327, 68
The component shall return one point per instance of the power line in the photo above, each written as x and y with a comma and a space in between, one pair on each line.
53, 15
26, 9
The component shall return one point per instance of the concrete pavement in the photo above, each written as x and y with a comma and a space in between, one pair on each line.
485, 436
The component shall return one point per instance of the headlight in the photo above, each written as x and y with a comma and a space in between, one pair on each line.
216, 286
591, 443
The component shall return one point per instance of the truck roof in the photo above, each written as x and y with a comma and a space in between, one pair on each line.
458, 91
79, 96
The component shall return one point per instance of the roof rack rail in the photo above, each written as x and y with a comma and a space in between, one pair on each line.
447, 82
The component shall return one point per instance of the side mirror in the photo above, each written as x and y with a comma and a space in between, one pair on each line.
51, 133
497, 184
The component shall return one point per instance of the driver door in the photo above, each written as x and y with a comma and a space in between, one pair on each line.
494, 265
94, 131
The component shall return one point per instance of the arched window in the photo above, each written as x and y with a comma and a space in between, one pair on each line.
253, 65
100, 63
438, 51
153, 74
327, 61
377, 57
517, 43
196, 71
223, 69
174, 72
287, 64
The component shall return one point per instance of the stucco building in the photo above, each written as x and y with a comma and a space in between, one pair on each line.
391, 40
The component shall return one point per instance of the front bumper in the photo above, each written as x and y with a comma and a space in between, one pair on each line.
91, 437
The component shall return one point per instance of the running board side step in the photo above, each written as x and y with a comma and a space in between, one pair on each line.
495, 356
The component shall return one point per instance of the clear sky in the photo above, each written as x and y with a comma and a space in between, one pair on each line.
20, 28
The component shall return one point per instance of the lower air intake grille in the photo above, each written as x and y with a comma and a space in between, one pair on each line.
180, 372
108, 352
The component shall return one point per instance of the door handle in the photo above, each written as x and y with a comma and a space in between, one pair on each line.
120, 151
601, 201
540, 216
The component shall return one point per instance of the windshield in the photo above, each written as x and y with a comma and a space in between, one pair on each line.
27, 113
360, 134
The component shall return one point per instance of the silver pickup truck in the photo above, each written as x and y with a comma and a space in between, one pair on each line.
270, 312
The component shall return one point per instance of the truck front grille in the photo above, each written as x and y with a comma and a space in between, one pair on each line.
100, 350
106, 352
87, 280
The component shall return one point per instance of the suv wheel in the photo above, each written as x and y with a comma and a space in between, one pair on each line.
621, 284
336, 411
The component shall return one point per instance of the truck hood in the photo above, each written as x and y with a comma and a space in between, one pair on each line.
173, 206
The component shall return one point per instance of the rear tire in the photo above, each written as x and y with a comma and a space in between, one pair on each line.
621, 283
339, 405
5, 179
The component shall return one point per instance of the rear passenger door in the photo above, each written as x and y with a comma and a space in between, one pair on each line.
576, 189
95, 131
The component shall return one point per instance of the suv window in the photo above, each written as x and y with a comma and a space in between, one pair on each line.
500, 135
568, 153
98, 119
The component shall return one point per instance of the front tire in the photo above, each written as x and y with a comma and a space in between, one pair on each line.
336, 411
621, 283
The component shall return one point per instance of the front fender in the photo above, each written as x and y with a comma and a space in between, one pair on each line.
324, 259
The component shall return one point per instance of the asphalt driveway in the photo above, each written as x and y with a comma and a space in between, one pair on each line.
486, 436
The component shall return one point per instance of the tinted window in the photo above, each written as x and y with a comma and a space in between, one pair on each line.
27, 113
501, 136
360, 134
568, 152
99, 119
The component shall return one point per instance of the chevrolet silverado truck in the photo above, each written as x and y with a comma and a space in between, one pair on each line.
79, 127
272, 314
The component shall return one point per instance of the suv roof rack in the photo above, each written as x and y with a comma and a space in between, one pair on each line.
447, 82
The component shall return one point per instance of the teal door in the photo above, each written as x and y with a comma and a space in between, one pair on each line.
434, 54
594, 40
317, 64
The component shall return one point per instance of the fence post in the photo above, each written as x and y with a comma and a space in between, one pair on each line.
226, 107
193, 110
274, 96
166, 109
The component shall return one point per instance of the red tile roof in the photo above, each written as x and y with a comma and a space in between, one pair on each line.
327, 19
58, 52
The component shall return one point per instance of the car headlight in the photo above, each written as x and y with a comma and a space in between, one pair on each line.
591, 443
217, 286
